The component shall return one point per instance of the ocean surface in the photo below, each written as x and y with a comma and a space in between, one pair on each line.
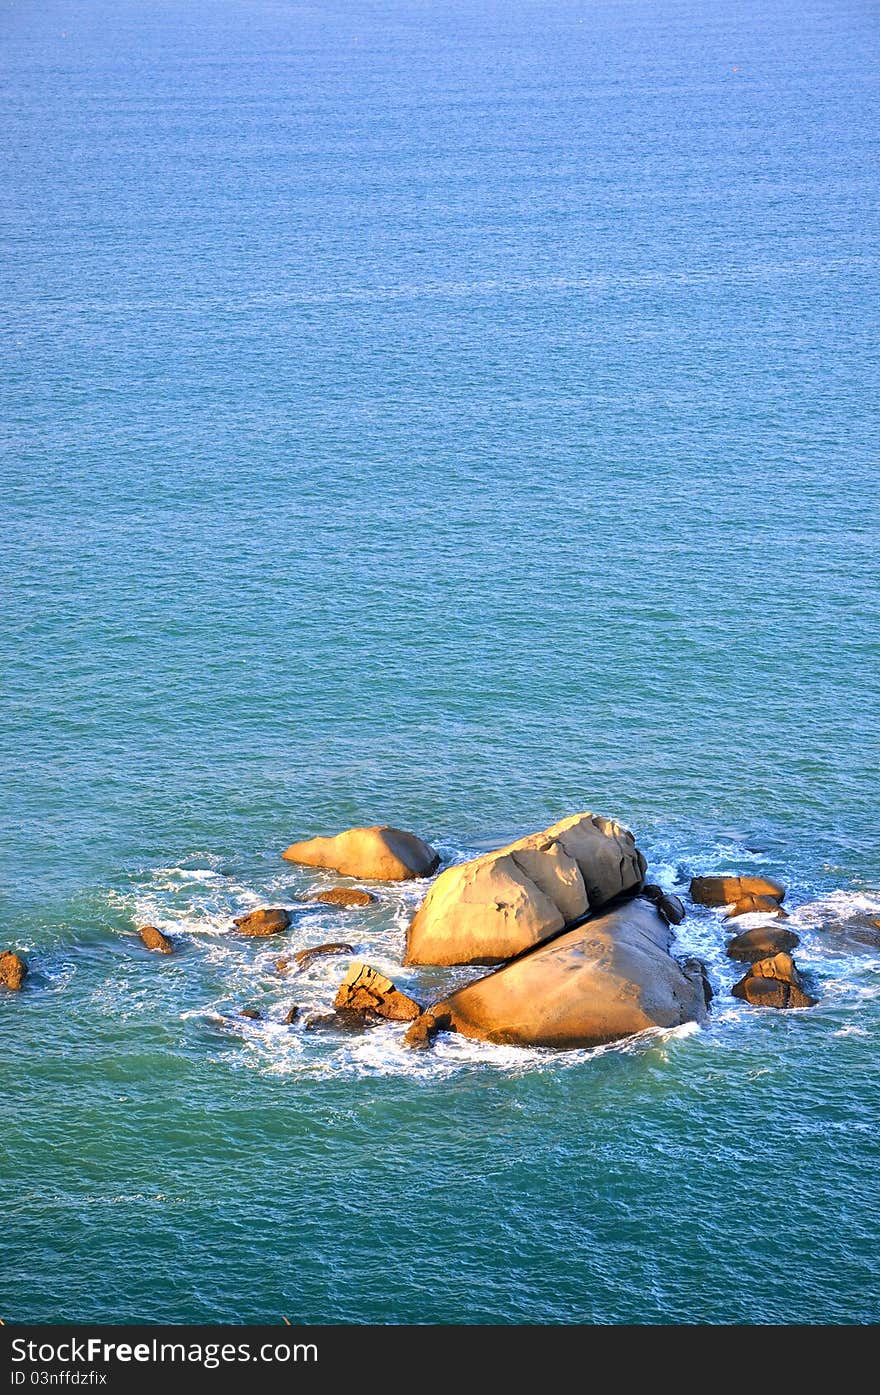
454, 414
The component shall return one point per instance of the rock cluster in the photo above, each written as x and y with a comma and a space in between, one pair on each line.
773, 979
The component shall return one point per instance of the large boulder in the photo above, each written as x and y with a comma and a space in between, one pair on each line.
268, 920
497, 906
380, 853
365, 990
606, 979
762, 943
774, 982
721, 891
13, 970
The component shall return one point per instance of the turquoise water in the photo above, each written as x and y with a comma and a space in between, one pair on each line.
460, 415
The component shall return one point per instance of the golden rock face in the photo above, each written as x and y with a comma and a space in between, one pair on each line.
380, 853
496, 906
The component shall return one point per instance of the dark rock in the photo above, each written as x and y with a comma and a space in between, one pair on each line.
721, 891
304, 957
344, 1020
154, 939
345, 896
13, 971
253, 1013
291, 1015
697, 972
855, 932
762, 943
269, 920
669, 905
364, 989
748, 905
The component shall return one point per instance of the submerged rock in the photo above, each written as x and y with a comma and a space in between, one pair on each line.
154, 939
507, 901
761, 943
268, 920
345, 896
380, 853
774, 982
748, 905
721, 891
343, 1020
253, 1013
854, 932
364, 989
607, 979
304, 957
13, 971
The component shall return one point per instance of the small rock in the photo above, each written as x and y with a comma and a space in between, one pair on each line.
283, 964
774, 982
304, 957
13, 971
421, 1033
761, 943
696, 970
345, 896
721, 891
154, 939
748, 905
291, 1015
669, 905
269, 920
364, 989
253, 1013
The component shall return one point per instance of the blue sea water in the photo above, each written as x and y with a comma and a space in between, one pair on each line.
456, 414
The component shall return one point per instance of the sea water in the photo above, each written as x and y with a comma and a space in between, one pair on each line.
457, 414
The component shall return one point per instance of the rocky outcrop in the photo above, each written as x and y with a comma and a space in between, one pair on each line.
13, 971
497, 906
379, 853
721, 891
155, 940
748, 905
670, 906
344, 896
774, 982
604, 980
364, 989
291, 1015
762, 943
304, 957
269, 920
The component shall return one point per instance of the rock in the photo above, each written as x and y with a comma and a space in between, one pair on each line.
364, 989
748, 905
291, 1015
507, 901
774, 982
345, 1020
855, 932
597, 983
283, 964
253, 1013
345, 896
154, 939
697, 972
304, 957
670, 907
13, 971
380, 853
761, 942
269, 920
421, 1033
721, 891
